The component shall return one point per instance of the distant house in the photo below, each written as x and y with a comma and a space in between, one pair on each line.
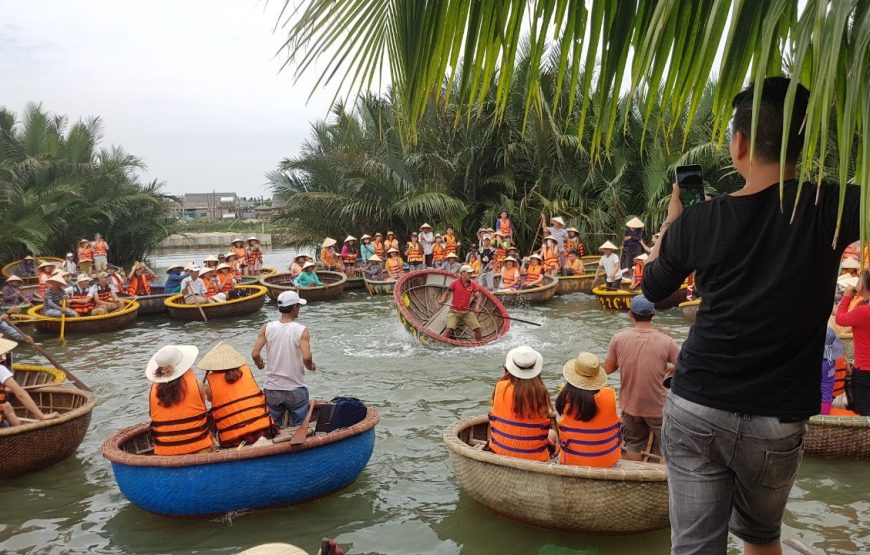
211, 206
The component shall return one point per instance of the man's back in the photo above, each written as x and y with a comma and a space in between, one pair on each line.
767, 287
642, 357
284, 367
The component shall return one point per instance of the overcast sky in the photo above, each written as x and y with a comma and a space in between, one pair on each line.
192, 87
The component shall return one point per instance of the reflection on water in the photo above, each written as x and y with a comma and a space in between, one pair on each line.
406, 501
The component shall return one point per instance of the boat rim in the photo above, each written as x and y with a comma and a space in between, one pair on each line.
695, 302
6, 272
538, 289
72, 414
130, 306
259, 292
111, 448
648, 472
266, 284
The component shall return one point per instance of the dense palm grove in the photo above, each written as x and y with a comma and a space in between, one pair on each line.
358, 168
57, 185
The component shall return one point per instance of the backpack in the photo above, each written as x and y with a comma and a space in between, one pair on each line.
341, 412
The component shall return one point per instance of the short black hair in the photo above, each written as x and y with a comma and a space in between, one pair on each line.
768, 134
287, 309
642, 317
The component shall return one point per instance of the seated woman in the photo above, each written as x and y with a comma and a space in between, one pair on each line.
573, 266
395, 264
473, 260
8, 385
519, 421
296, 266
238, 406
550, 255
374, 269
859, 320
509, 279
534, 273
173, 279
12, 295
212, 288
452, 263
588, 423
179, 419
308, 278
226, 282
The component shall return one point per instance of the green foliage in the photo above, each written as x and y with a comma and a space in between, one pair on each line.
56, 186
356, 174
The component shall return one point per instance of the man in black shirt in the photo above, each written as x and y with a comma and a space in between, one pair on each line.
487, 256
748, 376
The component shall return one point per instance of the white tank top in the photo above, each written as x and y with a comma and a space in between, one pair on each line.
284, 368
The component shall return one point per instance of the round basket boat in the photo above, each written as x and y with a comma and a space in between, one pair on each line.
838, 437
153, 303
356, 281
673, 300
537, 295
31, 375
252, 301
629, 498
380, 287
417, 295
87, 324
619, 299
580, 283
333, 286
261, 273
690, 309
275, 474
12, 268
36, 445
590, 262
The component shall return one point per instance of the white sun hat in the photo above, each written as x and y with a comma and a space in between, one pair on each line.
170, 363
524, 362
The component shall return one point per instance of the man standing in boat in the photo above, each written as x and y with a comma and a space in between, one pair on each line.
747, 378
288, 346
464, 291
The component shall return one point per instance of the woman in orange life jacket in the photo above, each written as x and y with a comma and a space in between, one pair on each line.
395, 265
519, 420
451, 244
105, 298
588, 423
573, 242
439, 253
213, 292
211, 261
378, 245
349, 254
534, 273
237, 247
503, 225
238, 406
226, 283
414, 253
85, 255
573, 266
8, 386
328, 257
391, 242
639, 262
550, 255
233, 261
179, 419
45, 271
81, 299
255, 256
139, 282
509, 278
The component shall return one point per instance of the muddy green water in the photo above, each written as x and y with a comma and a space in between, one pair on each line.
406, 501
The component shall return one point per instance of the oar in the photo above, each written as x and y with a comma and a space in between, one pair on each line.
500, 316
302, 431
62, 320
79, 384
199, 306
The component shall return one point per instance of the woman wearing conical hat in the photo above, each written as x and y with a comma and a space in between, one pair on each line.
328, 257
632, 241
349, 255
296, 266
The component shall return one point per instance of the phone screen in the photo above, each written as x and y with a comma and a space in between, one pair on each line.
691, 182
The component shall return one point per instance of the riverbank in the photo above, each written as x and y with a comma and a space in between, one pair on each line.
210, 240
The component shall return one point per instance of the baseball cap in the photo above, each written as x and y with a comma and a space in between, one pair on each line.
289, 298
466, 268
642, 306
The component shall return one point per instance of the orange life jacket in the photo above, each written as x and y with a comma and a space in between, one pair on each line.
439, 252
551, 259
138, 285
240, 252
395, 266
211, 288
500, 254
504, 227
475, 265
450, 243
593, 443
573, 244
255, 256
638, 274
510, 277
41, 279
415, 253
104, 293
840, 378
100, 248
225, 279
182, 428
533, 272
576, 266
119, 283
80, 295
512, 434
328, 257
349, 259
86, 254
379, 248
239, 408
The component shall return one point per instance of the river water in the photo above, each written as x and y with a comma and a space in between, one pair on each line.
406, 501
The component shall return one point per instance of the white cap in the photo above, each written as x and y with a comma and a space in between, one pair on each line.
466, 268
289, 298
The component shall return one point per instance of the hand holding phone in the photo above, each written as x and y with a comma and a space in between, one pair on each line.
690, 179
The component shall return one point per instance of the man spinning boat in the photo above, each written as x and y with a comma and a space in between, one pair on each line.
464, 291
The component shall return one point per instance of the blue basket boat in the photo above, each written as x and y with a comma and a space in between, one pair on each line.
207, 484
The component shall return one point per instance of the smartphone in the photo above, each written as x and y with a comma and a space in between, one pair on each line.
691, 182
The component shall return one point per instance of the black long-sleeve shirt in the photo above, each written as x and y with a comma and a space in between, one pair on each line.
768, 284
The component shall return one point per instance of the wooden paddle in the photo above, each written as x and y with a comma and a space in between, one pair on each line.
62, 320
78, 383
199, 306
302, 431
500, 316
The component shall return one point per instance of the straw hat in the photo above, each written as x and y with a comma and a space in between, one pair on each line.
349, 238
83, 241
83, 277
437, 235
13, 277
237, 240
206, 271
194, 269
328, 242
308, 265
549, 238
466, 268
634, 223
174, 266
211, 258
103, 275
452, 255
170, 363
510, 259
252, 238
524, 362
6, 345
607, 245
847, 281
852, 263
390, 233
375, 258
574, 229
365, 236
642, 257
378, 234
230, 255
536, 256
221, 357
425, 226
274, 549
392, 250
223, 266
28, 257
557, 220
47, 263
585, 372
57, 279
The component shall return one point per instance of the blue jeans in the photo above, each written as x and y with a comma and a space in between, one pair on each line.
55, 313
414, 266
726, 470
281, 402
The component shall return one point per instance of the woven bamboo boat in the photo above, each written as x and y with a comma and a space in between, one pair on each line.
675, 299
87, 324
275, 474
31, 375
840, 437
355, 282
153, 303
631, 497
252, 301
12, 267
582, 283
690, 309
417, 295
333, 286
37, 445
379, 287
590, 262
537, 295
262, 272
619, 299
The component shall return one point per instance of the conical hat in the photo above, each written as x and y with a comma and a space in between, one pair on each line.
349, 238
558, 220
274, 549
608, 245
392, 250
47, 263
224, 266
850, 262
510, 259
375, 258
237, 240
425, 226
847, 281
452, 255
574, 229
634, 223
365, 236
328, 242
642, 257
536, 256
211, 258
6, 345
13, 277
221, 357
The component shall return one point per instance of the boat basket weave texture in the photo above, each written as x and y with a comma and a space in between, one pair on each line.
838, 437
87, 324
255, 297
